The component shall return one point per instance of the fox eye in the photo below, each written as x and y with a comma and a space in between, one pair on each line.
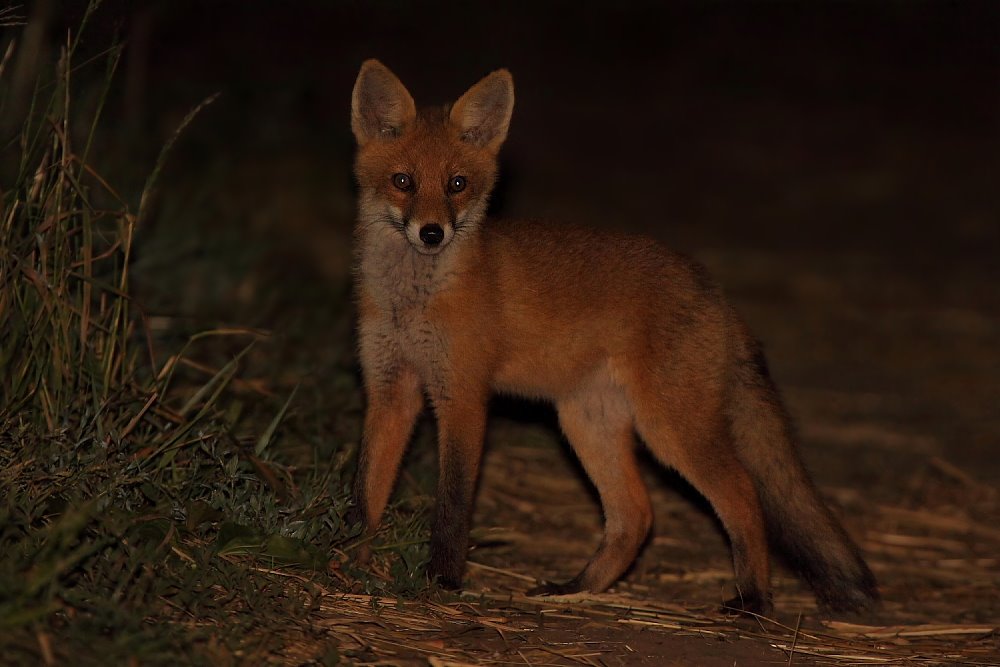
402, 181
457, 183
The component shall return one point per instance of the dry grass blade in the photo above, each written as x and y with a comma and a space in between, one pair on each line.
150, 187
504, 572
923, 630
265, 438
955, 524
795, 639
10, 46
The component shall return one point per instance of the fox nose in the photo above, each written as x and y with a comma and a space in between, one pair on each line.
431, 234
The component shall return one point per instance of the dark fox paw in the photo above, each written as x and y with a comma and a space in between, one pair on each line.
449, 584
553, 588
849, 599
445, 574
748, 605
363, 554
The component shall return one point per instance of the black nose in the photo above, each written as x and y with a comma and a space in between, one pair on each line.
431, 234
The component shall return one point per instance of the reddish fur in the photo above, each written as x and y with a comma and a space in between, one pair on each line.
621, 334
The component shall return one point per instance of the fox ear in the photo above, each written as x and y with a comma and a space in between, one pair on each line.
482, 114
381, 107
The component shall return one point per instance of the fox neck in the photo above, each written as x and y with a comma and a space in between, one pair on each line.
398, 276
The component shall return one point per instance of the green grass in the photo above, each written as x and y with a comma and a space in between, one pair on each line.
170, 496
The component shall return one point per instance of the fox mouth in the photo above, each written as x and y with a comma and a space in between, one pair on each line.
426, 249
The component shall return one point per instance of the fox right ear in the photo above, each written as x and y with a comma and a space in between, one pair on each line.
482, 114
381, 107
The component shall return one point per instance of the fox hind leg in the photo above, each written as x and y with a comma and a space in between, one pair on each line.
706, 458
598, 424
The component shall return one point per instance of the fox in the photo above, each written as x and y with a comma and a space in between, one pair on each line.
625, 337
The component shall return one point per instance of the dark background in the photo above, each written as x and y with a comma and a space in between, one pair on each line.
862, 125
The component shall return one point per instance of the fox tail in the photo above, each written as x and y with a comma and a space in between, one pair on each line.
799, 524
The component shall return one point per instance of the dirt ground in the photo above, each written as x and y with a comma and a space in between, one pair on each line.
836, 169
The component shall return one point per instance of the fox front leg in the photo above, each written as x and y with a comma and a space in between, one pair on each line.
461, 425
394, 401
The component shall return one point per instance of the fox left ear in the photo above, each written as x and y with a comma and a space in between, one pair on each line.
482, 114
381, 107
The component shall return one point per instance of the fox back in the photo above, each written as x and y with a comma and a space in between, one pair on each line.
622, 335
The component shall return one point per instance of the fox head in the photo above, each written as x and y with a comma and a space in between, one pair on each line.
426, 176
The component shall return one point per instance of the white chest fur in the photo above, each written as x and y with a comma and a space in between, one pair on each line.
403, 286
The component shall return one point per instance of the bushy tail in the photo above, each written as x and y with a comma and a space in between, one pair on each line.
799, 524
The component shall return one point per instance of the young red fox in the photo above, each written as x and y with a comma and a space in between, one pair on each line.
621, 334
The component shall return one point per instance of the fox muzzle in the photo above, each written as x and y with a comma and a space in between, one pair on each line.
431, 234
428, 238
